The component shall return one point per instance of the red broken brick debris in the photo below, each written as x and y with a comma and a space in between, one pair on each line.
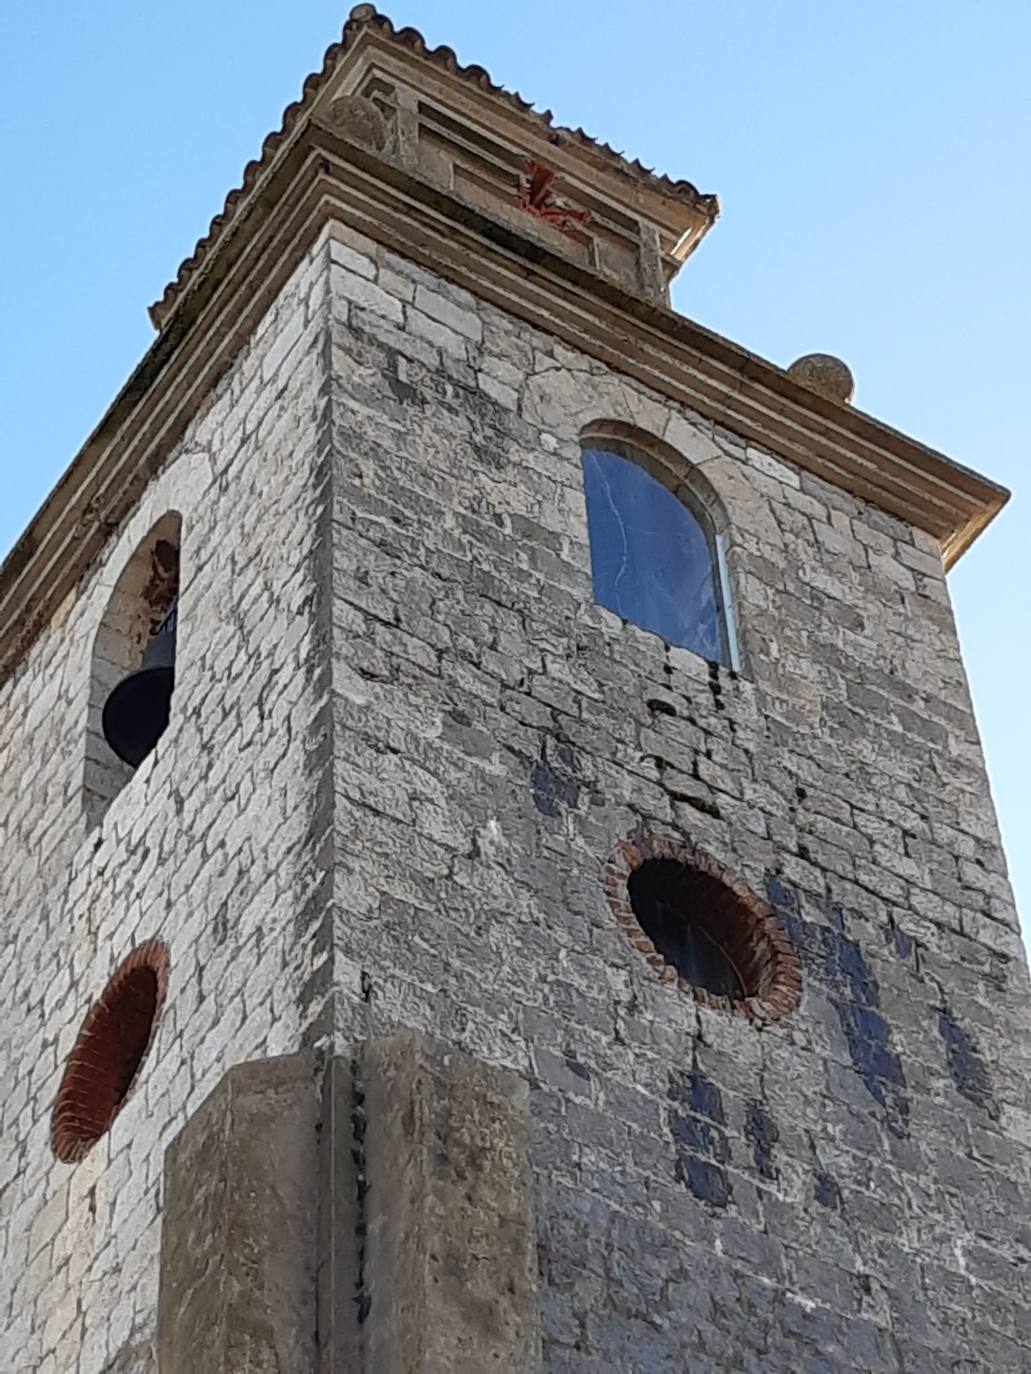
537, 197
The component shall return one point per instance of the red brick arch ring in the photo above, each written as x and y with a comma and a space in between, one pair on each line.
108, 1052
740, 922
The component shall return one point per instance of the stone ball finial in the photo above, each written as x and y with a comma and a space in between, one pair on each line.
361, 14
826, 375
359, 119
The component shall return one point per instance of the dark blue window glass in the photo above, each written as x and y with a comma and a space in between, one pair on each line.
651, 559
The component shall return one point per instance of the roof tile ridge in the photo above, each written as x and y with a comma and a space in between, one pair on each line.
270, 144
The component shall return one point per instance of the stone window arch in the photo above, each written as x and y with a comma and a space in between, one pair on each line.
141, 603
657, 533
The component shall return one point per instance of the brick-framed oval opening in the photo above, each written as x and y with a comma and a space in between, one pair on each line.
752, 960
108, 1052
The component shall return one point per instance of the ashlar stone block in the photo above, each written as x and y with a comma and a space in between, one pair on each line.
237, 1287
450, 1251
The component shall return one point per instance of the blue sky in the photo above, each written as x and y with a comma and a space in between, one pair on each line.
871, 158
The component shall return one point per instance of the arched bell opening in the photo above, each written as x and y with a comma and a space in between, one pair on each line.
132, 672
135, 713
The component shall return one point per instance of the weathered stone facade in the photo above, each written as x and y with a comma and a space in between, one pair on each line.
209, 847
839, 1190
404, 746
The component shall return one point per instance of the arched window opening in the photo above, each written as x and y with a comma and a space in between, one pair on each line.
656, 558
133, 667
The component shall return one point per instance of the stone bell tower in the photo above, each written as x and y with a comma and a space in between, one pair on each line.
499, 872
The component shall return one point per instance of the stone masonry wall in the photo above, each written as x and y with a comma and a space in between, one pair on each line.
842, 1190
212, 847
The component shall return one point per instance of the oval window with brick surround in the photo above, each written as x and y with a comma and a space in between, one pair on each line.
108, 1052
703, 929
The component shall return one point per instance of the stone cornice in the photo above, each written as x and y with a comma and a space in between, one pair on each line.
348, 67
398, 195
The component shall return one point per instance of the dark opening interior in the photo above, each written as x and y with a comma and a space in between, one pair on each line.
691, 919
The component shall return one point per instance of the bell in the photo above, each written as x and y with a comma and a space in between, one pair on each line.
136, 712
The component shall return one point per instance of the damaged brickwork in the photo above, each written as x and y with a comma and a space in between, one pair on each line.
406, 743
